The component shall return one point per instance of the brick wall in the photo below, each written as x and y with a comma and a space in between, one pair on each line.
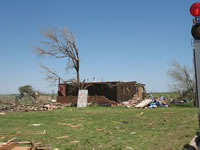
91, 99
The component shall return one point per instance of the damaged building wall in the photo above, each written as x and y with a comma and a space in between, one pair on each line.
109, 90
126, 91
130, 90
116, 91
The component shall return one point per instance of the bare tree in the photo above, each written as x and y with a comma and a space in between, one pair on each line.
51, 75
183, 78
60, 43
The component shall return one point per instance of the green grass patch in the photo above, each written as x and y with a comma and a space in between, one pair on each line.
104, 128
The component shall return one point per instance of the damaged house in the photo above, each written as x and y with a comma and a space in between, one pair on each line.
100, 92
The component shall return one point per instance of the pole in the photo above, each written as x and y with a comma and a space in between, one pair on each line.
196, 88
197, 72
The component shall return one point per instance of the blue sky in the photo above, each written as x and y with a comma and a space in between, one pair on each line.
126, 40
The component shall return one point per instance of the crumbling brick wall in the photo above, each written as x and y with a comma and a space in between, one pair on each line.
115, 91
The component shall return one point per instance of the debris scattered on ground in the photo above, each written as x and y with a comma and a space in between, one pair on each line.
140, 114
27, 108
115, 122
117, 128
36, 124
129, 103
62, 137
130, 148
103, 129
11, 140
42, 133
150, 124
125, 103
179, 101
14, 144
144, 103
133, 133
74, 125
72, 142
2, 113
152, 102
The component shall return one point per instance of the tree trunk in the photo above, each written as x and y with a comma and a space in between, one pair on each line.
77, 75
78, 79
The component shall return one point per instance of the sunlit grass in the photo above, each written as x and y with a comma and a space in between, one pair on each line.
104, 127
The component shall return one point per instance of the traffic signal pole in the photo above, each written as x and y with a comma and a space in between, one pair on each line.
195, 12
196, 52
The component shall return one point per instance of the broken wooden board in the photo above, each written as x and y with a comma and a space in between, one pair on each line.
9, 146
22, 148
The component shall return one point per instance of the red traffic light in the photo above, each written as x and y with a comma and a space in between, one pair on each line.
195, 9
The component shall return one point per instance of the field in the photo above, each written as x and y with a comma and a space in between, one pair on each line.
104, 128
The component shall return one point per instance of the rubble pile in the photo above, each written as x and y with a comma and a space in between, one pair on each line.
131, 102
27, 108
153, 103
179, 101
144, 103
150, 102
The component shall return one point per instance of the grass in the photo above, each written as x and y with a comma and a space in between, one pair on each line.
104, 128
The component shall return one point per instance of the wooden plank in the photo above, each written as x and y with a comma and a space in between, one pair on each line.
11, 140
8, 146
25, 142
22, 148
44, 148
